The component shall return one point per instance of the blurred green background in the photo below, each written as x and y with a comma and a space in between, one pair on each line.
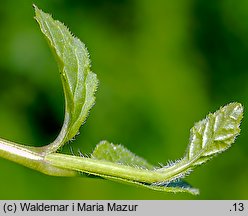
162, 66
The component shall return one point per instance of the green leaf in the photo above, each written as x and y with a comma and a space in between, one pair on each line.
214, 134
79, 83
208, 138
177, 186
119, 154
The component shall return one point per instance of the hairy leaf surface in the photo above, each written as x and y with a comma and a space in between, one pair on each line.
119, 154
214, 134
79, 83
177, 186
208, 138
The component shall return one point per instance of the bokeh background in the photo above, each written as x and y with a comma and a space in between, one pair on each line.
162, 66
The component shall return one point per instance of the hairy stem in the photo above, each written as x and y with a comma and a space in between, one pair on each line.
67, 165
106, 168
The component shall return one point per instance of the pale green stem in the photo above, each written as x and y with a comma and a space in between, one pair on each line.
31, 157
67, 165
108, 169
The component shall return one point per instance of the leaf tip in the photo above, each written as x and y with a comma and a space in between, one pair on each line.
236, 111
36, 9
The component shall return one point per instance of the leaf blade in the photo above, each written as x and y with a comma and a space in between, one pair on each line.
119, 154
208, 138
215, 134
79, 82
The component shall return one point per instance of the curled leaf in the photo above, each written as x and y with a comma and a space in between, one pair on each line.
79, 83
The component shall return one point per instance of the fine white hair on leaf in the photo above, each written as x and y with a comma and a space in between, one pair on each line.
175, 178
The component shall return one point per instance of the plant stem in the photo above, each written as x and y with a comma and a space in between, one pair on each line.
67, 165
31, 157
61, 138
108, 169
